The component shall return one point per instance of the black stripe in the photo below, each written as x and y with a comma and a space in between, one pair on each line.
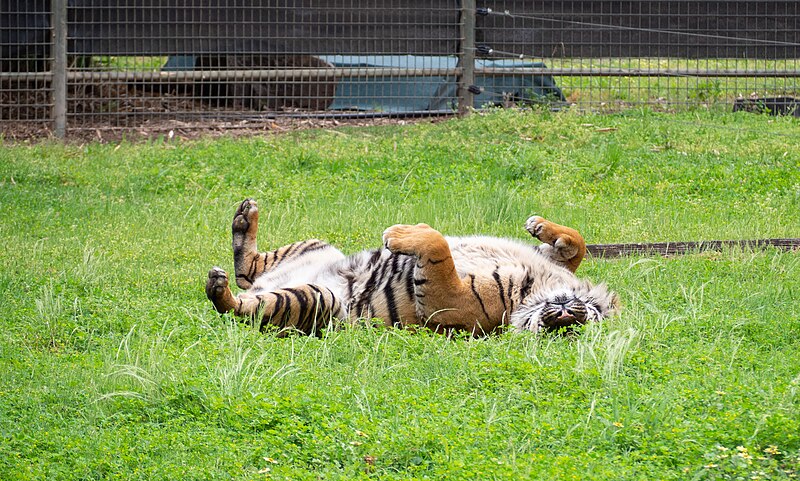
291, 249
579, 311
526, 287
376, 255
420, 281
390, 304
387, 271
316, 311
275, 309
321, 305
335, 306
431, 261
478, 296
410, 282
276, 258
496, 276
278, 306
376, 275
510, 291
303, 315
316, 289
384, 276
303, 246
280, 255
395, 264
369, 289
287, 310
351, 280
311, 246
251, 273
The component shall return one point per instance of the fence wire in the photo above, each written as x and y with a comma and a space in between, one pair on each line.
144, 63
25, 88
666, 54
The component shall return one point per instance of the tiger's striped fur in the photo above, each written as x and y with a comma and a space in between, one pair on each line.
474, 284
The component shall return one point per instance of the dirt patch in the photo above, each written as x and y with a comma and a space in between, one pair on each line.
30, 132
107, 112
247, 128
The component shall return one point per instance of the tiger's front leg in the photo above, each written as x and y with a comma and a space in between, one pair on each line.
305, 308
563, 245
444, 301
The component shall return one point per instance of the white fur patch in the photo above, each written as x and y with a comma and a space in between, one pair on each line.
304, 269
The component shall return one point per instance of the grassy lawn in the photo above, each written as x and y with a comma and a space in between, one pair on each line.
113, 364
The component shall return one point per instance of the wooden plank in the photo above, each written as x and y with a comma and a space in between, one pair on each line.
763, 29
643, 29
677, 248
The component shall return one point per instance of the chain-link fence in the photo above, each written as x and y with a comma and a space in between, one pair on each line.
26, 59
71, 65
667, 54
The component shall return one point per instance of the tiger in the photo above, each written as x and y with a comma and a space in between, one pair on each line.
418, 279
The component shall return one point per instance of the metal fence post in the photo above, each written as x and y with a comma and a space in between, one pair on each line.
59, 67
466, 56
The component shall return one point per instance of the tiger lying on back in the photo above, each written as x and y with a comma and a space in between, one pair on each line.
474, 284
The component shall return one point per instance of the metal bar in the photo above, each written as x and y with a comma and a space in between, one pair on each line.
367, 72
280, 74
466, 56
59, 67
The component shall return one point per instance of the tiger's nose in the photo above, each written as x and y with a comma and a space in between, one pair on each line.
566, 314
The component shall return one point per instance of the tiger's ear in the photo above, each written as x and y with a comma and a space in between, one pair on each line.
607, 301
615, 306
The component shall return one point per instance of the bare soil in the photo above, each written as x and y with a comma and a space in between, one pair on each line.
113, 112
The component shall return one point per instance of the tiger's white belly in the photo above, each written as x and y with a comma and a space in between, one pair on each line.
481, 255
306, 269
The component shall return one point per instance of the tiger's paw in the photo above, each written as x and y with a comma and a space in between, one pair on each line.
218, 290
410, 239
245, 220
565, 241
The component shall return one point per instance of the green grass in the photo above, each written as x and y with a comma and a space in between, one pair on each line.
113, 365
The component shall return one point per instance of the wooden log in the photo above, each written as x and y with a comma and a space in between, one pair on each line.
677, 248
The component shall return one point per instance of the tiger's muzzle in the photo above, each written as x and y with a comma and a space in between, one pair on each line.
563, 312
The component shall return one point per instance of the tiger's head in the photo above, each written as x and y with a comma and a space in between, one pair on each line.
563, 307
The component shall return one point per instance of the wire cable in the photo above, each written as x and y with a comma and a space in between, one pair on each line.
507, 13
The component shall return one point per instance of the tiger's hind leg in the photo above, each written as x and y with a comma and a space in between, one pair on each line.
248, 263
563, 245
306, 308
443, 300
